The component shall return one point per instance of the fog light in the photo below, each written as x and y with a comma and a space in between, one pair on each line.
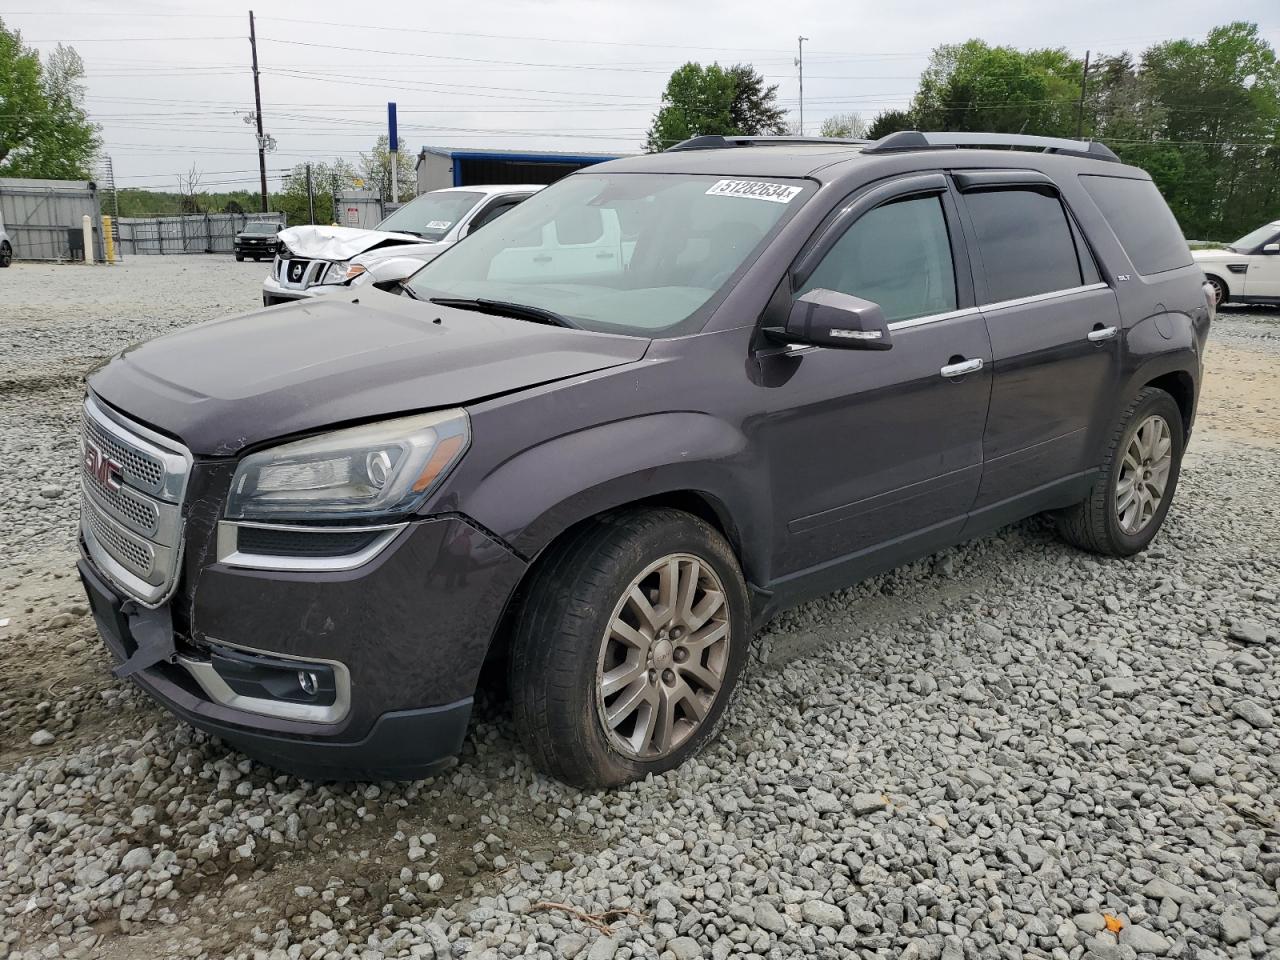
308, 682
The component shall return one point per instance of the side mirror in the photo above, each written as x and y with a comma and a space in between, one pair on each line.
825, 318
1271, 248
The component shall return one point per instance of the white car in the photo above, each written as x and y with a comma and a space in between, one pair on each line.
316, 260
6, 248
1247, 271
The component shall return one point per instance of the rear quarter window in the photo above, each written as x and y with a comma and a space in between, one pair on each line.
1141, 221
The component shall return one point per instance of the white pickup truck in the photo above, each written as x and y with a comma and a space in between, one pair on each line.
316, 260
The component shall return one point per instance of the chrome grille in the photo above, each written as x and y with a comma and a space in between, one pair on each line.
132, 483
139, 468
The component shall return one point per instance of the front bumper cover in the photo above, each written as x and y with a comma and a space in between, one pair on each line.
412, 627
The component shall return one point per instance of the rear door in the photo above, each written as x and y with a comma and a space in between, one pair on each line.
1263, 277
1055, 341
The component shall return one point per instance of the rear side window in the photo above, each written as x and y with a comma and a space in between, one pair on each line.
1026, 243
1141, 221
898, 256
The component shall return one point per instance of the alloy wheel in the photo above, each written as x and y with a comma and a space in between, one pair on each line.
663, 657
1144, 475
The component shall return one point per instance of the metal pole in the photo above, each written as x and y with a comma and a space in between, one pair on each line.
1084, 85
311, 198
800, 64
257, 104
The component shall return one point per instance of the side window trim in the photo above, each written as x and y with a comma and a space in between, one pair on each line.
852, 208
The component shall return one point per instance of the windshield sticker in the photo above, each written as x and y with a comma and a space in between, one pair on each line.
439, 224
755, 190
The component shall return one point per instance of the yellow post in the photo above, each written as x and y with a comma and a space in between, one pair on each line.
108, 241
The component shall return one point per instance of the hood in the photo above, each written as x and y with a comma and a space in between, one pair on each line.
420, 251
1217, 255
236, 382
339, 243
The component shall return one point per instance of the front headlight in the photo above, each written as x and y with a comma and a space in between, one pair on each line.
379, 469
342, 272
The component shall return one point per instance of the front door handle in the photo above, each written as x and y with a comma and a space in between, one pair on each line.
961, 368
1098, 334
545, 258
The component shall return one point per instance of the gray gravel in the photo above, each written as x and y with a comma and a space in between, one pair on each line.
1008, 750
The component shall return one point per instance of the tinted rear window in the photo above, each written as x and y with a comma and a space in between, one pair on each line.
1026, 243
1141, 221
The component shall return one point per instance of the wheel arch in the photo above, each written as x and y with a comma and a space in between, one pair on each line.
1180, 385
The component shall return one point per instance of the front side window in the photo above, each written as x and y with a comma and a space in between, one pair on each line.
897, 255
1025, 242
632, 253
431, 215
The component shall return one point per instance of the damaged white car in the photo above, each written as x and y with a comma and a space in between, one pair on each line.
316, 260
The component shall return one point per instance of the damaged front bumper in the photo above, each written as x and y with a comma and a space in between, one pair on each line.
366, 673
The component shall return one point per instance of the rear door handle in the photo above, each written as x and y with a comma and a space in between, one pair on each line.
606, 255
545, 258
1098, 334
960, 369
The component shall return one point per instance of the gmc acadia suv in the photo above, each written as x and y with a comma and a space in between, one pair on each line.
601, 465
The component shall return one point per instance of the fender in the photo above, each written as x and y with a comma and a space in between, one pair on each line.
525, 501
1163, 344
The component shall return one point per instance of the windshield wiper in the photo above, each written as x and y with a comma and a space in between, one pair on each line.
503, 308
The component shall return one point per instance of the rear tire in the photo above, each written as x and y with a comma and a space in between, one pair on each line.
627, 651
6, 255
1135, 487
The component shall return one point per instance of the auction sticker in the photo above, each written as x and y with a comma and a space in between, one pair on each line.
439, 224
754, 190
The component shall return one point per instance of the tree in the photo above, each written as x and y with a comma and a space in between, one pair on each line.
754, 111
702, 100
890, 121
44, 130
375, 168
189, 191
326, 180
973, 86
847, 126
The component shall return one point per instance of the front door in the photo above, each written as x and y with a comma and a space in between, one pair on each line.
875, 454
1263, 277
1056, 341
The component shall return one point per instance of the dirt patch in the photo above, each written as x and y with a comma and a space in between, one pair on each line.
1241, 394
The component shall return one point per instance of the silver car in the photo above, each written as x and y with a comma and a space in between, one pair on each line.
316, 260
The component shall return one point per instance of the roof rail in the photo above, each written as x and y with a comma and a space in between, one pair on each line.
914, 140
714, 141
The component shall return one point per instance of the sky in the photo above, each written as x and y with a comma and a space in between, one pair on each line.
169, 81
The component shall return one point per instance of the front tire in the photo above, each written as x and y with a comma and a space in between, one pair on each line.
6, 255
1135, 487
627, 651
1220, 292
239, 258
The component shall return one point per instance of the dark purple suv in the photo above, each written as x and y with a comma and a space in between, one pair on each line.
600, 442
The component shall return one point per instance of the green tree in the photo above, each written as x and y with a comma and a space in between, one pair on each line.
844, 125
375, 169
326, 178
44, 130
974, 86
702, 100
754, 111
890, 121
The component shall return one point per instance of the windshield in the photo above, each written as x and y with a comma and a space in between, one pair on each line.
638, 254
265, 228
431, 215
1256, 238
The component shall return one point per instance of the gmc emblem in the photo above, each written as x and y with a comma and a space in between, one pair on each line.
102, 468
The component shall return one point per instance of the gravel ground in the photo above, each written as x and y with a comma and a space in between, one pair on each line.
1010, 749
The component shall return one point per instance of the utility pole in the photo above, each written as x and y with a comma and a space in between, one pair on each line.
1084, 86
800, 64
257, 112
311, 198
